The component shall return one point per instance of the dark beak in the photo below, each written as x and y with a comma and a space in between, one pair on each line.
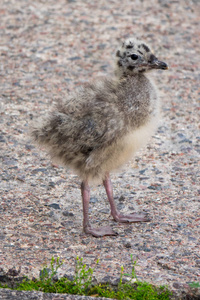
157, 64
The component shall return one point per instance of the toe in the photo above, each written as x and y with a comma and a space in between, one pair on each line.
132, 218
101, 231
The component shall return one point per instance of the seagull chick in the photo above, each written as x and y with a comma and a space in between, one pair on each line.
101, 125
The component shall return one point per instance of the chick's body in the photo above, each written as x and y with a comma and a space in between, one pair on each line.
101, 126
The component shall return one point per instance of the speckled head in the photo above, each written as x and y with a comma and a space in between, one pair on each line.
135, 56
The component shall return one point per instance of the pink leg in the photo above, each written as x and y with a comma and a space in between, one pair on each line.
97, 232
131, 218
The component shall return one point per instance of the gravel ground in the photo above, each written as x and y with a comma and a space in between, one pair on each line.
47, 49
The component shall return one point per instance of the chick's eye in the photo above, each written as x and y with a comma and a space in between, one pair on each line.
134, 56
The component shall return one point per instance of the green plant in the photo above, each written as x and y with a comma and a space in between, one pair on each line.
45, 283
82, 283
133, 289
133, 272
194, 284
83, 276
3, 286
54, 266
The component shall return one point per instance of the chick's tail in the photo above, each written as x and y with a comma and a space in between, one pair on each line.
43, 130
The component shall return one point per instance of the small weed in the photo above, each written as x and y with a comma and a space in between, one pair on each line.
133, 289
133, 273
4, 286
82, 284
83, 276
194, 284
46, 281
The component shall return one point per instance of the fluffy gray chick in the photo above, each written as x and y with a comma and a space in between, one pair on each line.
102, 125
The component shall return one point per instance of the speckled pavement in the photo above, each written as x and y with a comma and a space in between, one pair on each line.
48, 48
